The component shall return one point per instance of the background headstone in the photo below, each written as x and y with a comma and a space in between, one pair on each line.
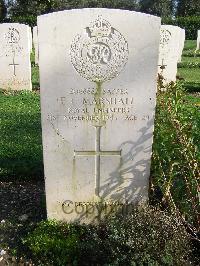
182, 43
98, 95
198, 40
35, 43
169, 53
31, 39
15, 65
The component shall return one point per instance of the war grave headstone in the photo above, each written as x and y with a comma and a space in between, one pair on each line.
98, 96
198, 40
35, 43
169, 53
31, 39
182, 43
15, 65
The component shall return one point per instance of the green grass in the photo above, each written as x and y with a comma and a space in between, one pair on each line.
35, 72
33, 57
190, 60
146, 237
35, 77
190, 45
190, 75
189, 68
20, 136
176, 151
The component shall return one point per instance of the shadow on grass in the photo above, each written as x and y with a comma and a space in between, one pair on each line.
21, 140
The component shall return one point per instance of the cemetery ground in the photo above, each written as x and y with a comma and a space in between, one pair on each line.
166, 233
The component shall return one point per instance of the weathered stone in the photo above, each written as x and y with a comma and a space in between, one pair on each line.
98, 94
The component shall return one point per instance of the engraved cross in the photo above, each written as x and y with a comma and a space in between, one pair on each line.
162, 67
97, 153
14, 66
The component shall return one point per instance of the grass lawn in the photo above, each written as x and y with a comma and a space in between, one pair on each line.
190, 59
190, 45
35, 73
35, 77
190, 74
20, 136
189, 69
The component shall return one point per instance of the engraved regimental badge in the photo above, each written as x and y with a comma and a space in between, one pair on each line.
100, 53
165, 37
11, 45
13, 36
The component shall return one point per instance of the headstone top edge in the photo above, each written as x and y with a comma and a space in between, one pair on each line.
171, 26
15, 23
109, 10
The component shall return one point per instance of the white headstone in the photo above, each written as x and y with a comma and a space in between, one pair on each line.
15, 65
198, 40
169, 53
182, 43
98, 94
31, 39
35, 43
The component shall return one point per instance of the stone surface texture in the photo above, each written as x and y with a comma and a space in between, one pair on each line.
98, 71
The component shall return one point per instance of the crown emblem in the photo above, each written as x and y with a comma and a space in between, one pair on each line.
100, 28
